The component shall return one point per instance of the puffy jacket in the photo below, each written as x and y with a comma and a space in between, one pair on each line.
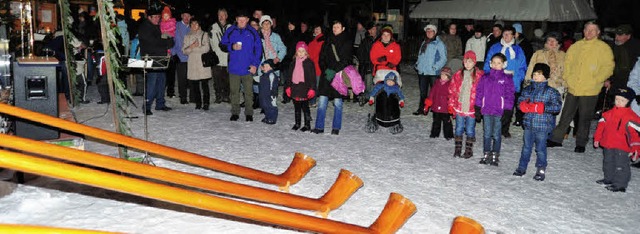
181, 31
151, 42
278, 46
439, 95
518, 64
454, 92
394, 89
314, 52
391, 51
433, 59
494, 93
614, 130
249, 55
541, 92
587, 65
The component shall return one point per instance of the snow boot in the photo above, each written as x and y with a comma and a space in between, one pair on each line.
495, 159
297, 125
519, 172
468, 147
395, 129
458, 150
307, 122
540, 174
372, 124
485, 158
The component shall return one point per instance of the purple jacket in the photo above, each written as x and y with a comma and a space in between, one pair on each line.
495, 93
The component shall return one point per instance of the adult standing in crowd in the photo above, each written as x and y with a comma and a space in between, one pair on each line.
589, 62
180, 59
245, 51
467, 32
523, 42
306, 34
385, 52
290, 37
478, 44
152, 44
432, 56
452, 41
273, 47
626, 50
314, 54
196, 43
493, 38
335, 55
554, 57
516, 66
365, 67
220, 73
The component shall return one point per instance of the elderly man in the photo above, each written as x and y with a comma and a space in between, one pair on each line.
180, 59
625, 54
432, 56
589, 62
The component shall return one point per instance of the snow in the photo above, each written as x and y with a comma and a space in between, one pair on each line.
412, 164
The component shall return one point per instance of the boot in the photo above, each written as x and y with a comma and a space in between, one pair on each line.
485, 158
218, 99
307, 122
468, 149
372, 124
495, 159
540, 174
458, 150
395, 129
297, 125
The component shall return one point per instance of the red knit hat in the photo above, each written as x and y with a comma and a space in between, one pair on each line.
446, 71
470, 55
166, 10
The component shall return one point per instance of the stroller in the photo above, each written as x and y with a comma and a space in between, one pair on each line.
386, 111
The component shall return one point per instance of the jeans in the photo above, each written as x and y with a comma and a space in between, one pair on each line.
540, 140
425, 82
465, 124
155, 89
492, 130
323, 101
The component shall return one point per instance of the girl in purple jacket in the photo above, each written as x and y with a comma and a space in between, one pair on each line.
494, 95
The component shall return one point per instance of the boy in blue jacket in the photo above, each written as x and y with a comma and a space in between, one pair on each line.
539, 103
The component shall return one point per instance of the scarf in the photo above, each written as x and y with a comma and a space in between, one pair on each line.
465, 90
298, 71
505, 46
424, 46
268, 47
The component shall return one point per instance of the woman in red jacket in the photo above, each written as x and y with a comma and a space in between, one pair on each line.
385, 53
314, 54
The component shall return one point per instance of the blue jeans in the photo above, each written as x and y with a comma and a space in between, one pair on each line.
540, 140
323, 101
155, 89
465, 124
492, 130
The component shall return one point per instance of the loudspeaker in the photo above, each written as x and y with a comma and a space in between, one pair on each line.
35, 90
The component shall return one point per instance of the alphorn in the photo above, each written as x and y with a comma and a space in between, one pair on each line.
33, 229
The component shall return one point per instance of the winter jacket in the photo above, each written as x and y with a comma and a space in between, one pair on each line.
278, 46
526, 47
541, 92
217, 31
439, 95
314, 52
391, 51
394, 89
614, 130
625, 57
182, 30
299, 91
454, 92
557, 67
433, 59
453, 45
343, 51
249, 55
495, 93
151, 42
518, 65
587, 65
195, 70
477, 45
168, 27
364, 55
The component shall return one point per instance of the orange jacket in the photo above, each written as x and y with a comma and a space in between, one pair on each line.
614, 130
391, 51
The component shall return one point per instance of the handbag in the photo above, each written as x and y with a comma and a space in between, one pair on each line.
209, 59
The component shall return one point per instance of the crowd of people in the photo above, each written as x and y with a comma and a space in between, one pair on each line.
464, 76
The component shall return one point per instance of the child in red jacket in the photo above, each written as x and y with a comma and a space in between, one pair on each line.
438, 101
618, 136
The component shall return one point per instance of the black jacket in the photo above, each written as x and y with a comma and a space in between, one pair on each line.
343, 50
363, 54
151, 42
299, 91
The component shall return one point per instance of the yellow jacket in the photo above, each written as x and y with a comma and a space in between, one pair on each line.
587, 65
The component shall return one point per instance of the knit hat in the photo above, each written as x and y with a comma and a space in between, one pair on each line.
544, 68
387, 29
303, 45
627, 93
391, 76
265, 18
268, 61
166, 10
446, 71
470, 55
518, 27
432, 27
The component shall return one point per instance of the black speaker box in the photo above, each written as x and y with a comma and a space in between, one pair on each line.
35, 90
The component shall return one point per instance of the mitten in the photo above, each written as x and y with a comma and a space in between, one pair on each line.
382, 59
525, 106
427, 103
391, 65
370, 101
451, 110
311, 93
401, 103
288, 91
329, 74
537, 107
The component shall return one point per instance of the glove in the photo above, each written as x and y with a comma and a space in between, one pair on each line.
525, 106
329, 74
427, 103
382, 59
391, 65
311, 93
451, 110
370, 101
478, 114
401, 103
537, 107
288, 91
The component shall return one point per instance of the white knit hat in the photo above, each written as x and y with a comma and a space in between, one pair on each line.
432, 27
266, 18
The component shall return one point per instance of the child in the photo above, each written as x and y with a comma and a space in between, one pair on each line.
617, 134
540, 103
462, 97
388, 96
438, 97
301, 85
494, 95
167, 24
269, 92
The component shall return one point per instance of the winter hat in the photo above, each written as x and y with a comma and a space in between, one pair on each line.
265, 18
627, 93
432, 27
554, 35
387, 29
303, 45
268, 61
446, 71
470, 55
538, 33
166, 10
518, 27
391, 76
544, 68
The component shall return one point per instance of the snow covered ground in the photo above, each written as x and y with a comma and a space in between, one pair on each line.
412, 164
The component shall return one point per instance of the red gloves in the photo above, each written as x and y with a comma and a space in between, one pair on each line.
401, 103
370, 101
451, 110
288, 91
524, 107
310, 94
538, 107
532, 107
